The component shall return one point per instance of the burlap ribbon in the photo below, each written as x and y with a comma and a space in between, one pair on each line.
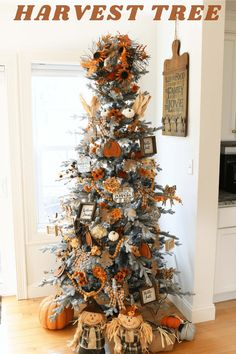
165, 337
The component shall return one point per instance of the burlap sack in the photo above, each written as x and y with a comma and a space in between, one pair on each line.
163, 341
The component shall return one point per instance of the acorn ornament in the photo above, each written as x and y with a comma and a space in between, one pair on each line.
113, 236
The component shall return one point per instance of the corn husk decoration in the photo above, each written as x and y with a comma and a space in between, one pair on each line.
141, 103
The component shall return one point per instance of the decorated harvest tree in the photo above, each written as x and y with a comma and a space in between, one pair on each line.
111, 247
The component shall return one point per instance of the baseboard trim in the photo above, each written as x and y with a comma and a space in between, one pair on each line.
195, 315
6, 292
35, 291
228, 295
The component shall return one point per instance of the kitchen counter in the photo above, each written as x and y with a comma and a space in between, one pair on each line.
226, 199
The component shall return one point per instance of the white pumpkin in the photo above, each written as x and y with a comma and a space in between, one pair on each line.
128, 112
187, 331
104, 112
113, 236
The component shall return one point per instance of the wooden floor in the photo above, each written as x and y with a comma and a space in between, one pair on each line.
20, 332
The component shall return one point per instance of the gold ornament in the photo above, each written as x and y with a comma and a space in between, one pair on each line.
112, 185
95, 251
166, 273
74, 243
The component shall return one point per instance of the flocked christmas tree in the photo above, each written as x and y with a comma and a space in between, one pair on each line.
111, 245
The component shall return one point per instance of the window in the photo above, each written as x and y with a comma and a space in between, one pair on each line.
57, 115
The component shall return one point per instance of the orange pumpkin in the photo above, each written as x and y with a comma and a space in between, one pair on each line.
46, 308
112, 149
145, 251
171, 321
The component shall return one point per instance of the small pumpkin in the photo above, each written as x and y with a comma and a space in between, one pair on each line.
186, 331
145, 251
46, 309
171, 321
112, 149
113, 236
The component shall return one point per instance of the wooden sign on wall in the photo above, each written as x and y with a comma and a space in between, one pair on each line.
175, 93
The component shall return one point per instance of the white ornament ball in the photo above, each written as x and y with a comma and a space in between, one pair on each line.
113, 236
99, 232
128, 112
104, 112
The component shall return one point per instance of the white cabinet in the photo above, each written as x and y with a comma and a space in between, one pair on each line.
225, 269
229, 89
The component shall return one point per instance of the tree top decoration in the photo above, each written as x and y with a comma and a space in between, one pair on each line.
115, 64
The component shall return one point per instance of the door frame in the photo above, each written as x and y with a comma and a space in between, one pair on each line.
9, 61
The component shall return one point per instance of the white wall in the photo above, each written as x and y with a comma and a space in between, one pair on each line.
196, 221
175, 152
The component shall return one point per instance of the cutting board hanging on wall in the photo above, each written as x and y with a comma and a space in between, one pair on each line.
175, 93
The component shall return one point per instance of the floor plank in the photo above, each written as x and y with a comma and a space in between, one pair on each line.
20, 332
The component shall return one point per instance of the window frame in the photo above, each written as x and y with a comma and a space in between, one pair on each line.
9, 61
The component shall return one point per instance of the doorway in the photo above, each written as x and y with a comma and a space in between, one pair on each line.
7, 253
